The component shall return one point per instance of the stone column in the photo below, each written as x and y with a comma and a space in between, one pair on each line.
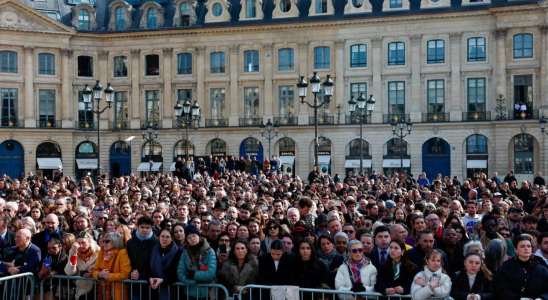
66, 85
168, 103
500, 35
339, 80
303, 71
268, 92
30, 120
543, 105
233, 104
455, 110
103, 79
200, 84
414, 100
135, 97
376, 88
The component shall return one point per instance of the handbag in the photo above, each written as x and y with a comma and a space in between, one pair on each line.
284, 292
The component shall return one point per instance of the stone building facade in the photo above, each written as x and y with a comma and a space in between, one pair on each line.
438, 64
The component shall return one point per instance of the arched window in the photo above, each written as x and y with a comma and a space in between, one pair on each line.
218, 146
354, 149
252, 145
180, 148
396, 147
120, 147
156, 150
152, 14
87, 147
476, 144
287, 145
285, 5
325, 144
523, 154
120, 19
83, 20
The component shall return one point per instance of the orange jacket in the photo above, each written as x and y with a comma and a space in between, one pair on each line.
119, 267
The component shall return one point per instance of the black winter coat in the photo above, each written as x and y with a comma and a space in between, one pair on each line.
385, 278
510, 279
39, 240
268, 275
140, 253
461, 287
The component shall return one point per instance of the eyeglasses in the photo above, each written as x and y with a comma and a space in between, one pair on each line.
7, 210
165, 237
359, 250
106, 241
224, 240
506, 235
102, 218
348, 231
433, 220
273, 228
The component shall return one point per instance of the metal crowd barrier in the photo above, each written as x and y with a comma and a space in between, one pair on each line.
212, 291
68, 288
15, 287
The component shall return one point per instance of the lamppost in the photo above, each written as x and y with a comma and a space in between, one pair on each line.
542, 122
362, 117
315, 81
149, 130
98, 96
184, 111
401, 126
268, 128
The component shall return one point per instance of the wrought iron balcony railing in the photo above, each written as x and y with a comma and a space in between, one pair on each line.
476, 116
118, 125
222, 122
322, 120
245, 122
391, 118
287, 121
435, 117
355, 119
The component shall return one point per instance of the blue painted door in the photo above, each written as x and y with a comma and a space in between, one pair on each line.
12, 162
120, 159
436, 158
253, 148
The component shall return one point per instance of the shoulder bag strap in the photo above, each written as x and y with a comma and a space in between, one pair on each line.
351, 274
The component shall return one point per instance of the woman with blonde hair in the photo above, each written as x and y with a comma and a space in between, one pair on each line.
123, 230
112, 265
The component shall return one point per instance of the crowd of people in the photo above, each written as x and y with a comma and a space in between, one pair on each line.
479, 240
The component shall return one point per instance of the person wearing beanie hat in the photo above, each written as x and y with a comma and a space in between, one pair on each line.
191, 229
276, 267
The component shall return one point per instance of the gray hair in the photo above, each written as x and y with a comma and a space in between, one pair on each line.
13, 205
115, 239
214, 223
85, 210
495, 255
340, 234
470, 244
292, 209
352, 242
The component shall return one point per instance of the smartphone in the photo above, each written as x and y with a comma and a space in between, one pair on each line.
337, 203
97, 214
436, 276
267, 207
47, 262
222, 248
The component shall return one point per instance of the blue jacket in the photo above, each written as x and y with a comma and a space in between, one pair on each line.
28, 259
200, 276
422, 181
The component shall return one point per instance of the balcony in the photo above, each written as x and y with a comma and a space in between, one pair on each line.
180, 124
12, 123
151, 123
355, 119
222, 122
391, 118
287, 121
435, 117
85, 125
118, 125
322, 120
48, 123
523, 115
476, 116
249, 122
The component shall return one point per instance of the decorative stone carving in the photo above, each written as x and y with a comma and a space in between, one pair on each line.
160, 21
167, 52
405, 5
67, 52
200, 50
268, 47
312, 11
92, 15
376, 41
339, 44
500, 33
523, 128
29, 49
127, 9
135, 53
543, 29
177, 18
435, 4
10, 17
103, 55
365, 7
259, 12
293, 11
416, 39
225, 14
455, 36
234, 49
303, 46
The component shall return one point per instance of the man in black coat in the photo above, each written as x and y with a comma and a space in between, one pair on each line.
41, 239
283, 273
453, 250
139, 250
426, 243
7, 238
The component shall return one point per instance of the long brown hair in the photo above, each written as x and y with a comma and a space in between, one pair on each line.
430, 254
483, 268
405, 261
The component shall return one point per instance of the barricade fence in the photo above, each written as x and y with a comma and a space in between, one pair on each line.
17, 287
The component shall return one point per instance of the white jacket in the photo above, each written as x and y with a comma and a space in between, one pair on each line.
74, 270
422, 293
368, 275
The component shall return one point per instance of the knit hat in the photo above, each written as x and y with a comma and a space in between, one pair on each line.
191, 229
389, 204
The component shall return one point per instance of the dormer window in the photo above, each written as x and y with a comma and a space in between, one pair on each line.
83, 17
285, 5
120, 15
217, 10
120, 19
83, 20
185, 14
152, 14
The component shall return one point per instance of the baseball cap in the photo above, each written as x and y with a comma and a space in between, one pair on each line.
513, 209
497, 195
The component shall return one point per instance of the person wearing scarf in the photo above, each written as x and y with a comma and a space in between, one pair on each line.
489, 224
139, 249
83, 256
397, 273
58, 259
163, 264
328, 255
357, 274
272, 232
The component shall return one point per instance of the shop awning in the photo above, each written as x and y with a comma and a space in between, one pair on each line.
355, 163
49, 163
145, 166
87, 163
287, 160
172, 167
396, 163
476, 164
322, 159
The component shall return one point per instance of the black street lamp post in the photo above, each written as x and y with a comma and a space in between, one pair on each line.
315, 82
149, 130
186, 117
401, 126
542, 122
360, 104
268, 128
98, 96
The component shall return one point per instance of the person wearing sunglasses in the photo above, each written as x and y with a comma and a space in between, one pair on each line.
357, 273
113, 264
272, 232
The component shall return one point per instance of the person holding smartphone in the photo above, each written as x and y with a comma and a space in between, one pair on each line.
82, 259
432, 281
53, 264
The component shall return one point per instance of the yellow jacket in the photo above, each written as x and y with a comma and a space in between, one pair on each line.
119, 267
